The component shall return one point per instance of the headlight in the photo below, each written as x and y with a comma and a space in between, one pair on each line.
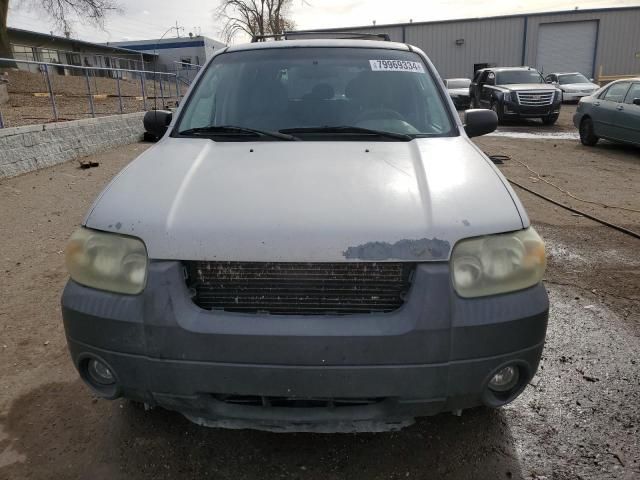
107, 261
498, 263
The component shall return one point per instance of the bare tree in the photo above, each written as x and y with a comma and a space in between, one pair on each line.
254, 17
60, 12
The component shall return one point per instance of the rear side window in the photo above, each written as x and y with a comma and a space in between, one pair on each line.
616, 92
304, 87
634, 92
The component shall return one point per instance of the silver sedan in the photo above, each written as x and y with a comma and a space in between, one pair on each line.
612, 113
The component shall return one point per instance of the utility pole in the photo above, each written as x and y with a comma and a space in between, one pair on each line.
177, 29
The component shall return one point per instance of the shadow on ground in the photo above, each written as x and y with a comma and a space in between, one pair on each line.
59, 431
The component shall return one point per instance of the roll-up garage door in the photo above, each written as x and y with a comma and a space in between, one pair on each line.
567, 47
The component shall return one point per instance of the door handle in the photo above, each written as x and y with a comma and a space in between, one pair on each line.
619, 107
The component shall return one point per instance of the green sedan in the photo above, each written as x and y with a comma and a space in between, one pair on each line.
612, 113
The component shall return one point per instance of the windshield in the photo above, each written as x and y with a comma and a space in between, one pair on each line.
509, 77
277, 89
458, 83
573, 78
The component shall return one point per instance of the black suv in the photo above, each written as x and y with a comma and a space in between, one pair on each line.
515, 92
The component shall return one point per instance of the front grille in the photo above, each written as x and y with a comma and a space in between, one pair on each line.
285, 288
295, 402
535, 99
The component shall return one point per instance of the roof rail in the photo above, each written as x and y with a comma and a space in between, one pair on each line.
264, 38
322, 34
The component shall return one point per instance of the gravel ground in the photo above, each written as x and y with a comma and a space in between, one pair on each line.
579, 418
72, 101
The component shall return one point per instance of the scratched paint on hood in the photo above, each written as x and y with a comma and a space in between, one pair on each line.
422, 249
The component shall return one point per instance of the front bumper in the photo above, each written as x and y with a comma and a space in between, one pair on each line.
513, 109
574, 96
374, 372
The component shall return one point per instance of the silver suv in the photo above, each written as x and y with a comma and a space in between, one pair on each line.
314, 245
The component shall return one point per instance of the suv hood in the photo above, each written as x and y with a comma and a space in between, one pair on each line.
529, 86
196, 199
578, 86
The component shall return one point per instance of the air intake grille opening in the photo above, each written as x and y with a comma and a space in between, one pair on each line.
535, 99
282, 288
294, 402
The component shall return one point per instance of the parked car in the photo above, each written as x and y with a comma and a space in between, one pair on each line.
458, 89
574, 86
516, 92
315, 244
612, 113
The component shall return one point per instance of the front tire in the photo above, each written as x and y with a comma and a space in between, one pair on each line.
550, 120
587, 135
495, 106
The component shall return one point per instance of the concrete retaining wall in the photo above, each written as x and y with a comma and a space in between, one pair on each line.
28, 148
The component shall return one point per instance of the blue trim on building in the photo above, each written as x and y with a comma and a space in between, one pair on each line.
475, 19
163, 46
595, 49
524, 41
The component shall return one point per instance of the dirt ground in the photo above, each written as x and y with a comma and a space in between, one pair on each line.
72, 100
579, 418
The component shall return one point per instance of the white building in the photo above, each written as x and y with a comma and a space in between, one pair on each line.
176, 53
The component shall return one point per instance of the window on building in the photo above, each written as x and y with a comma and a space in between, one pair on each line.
22, 52
186, 62
49, 55
73, 58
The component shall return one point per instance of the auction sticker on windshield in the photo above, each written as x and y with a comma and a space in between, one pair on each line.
396, 66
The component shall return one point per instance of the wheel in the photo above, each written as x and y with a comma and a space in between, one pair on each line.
550, 120
587, 136
496, 108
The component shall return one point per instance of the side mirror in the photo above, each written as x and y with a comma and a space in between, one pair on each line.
636, 101
156, 122
480, 122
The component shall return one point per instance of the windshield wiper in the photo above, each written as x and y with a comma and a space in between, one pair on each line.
348, 129
233, 129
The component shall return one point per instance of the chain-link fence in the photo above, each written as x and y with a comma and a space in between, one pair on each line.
41, 92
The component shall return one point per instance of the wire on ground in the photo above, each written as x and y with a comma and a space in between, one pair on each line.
566, 192
626, 231
580, 212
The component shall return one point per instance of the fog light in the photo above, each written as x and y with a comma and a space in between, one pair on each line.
505, 379
100, 373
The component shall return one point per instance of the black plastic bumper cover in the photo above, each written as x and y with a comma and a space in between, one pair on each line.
434, 354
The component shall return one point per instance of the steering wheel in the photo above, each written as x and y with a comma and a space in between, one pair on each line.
380, 114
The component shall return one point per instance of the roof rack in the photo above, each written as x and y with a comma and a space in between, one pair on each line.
322, 34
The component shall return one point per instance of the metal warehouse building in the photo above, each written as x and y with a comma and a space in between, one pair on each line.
603, 43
